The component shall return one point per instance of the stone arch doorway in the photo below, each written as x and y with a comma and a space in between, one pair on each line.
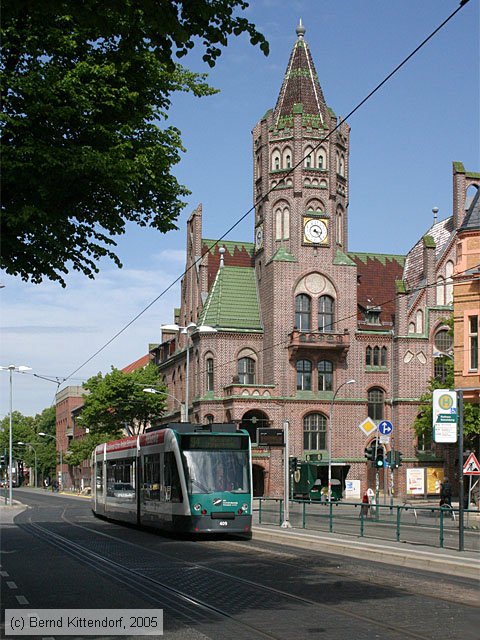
258, 478
253, 420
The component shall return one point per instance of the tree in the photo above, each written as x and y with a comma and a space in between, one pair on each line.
117, 402
85, 85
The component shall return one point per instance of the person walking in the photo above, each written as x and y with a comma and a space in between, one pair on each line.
365, 505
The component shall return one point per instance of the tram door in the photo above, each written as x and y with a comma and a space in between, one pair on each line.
258, 475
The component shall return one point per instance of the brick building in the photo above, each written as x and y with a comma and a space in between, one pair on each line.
298, 316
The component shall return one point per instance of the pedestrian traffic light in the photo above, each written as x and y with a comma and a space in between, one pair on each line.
379, 458
293, 464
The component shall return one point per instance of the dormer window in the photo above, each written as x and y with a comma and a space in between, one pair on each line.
371, 315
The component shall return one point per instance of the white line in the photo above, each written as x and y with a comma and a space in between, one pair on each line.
11, 585
22, 600
4, 574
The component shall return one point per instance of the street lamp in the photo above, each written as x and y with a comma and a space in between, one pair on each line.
164, 393
29, 444
330, 438
48, 435
11, 368
188, 330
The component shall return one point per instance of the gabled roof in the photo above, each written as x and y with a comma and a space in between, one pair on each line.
301, 86
440, 233
232, 302
471, 222
141, 363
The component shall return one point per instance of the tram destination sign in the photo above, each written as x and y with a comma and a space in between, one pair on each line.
270, 437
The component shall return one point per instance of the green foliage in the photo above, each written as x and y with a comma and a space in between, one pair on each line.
117, 401
85, 86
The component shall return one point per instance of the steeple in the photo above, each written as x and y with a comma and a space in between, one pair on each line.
300, 85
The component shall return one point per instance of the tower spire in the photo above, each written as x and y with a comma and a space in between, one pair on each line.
300, 30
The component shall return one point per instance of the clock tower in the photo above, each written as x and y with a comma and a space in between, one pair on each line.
300, 189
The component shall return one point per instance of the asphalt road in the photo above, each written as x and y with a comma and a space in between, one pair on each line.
57, 555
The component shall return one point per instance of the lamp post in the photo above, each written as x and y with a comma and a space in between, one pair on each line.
48, 435
188, 331
330, 426
164, 393
29, 444
11, 368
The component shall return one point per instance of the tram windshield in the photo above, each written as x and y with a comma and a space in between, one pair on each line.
211, 471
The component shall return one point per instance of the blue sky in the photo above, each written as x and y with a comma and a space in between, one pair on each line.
403, 143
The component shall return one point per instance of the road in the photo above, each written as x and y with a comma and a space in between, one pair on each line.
57, 555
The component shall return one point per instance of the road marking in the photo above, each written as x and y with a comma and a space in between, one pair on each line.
4, 574
11, 585
22, 600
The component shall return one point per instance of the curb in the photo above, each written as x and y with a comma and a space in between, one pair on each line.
411, 558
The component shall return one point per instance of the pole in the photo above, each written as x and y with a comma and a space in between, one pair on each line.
10, 442
286, 473
460, 472
187, 376
330, 429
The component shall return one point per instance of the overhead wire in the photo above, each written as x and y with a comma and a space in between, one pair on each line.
260, 200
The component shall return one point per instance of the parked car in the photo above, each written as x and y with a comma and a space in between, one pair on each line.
123, 490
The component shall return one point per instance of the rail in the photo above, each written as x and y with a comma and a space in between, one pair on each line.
407, 522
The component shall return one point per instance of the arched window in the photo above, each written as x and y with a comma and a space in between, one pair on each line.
246, 371
322, 159
304, 375
275, 160
376, 403
440, 291
342, 165
419, 321
337, 162
384, 357
314, 432
411, 327
282, 222
339, 227
326, 313
443, 341
368, 356
209, 373
278, 224
308, 158
303, 312
286, 223
325, 375
376, 356
209, 418
287, 158
449, 282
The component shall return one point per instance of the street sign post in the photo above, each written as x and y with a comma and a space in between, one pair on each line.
445, 415
385, 427
471, 466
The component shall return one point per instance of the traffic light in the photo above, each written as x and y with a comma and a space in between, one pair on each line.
2, 461
370, 452
293, 463
398, 458
379, 458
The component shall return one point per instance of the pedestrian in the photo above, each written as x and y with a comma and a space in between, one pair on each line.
446, 493
365, 505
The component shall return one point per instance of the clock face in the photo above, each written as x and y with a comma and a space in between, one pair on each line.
315, 231
259, 238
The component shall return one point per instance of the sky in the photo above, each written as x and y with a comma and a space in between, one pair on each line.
402, 145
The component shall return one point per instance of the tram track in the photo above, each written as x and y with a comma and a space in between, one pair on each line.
191, 607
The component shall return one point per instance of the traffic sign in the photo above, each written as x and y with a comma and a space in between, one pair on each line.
471, 466
368, 426
444, 415
385, 427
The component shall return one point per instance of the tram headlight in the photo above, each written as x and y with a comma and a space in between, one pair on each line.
197, 507
244, 506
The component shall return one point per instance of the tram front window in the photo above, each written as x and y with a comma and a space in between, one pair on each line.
213, 471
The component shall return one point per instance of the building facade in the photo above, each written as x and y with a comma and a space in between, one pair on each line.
308, 332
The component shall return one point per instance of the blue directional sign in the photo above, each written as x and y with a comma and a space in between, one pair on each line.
385, 427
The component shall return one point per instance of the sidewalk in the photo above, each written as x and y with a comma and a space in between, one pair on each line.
463, 564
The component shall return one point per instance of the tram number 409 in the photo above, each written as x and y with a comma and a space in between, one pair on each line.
223, 523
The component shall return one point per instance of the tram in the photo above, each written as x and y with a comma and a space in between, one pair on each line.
182, 477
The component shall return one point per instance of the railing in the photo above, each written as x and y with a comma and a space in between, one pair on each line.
416, 524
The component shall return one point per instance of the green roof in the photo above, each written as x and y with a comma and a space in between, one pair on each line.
282, 255
233, 301
342, 259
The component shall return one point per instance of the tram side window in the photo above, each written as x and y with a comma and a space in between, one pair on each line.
99, 479
120, 473
173, 490
151, 477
